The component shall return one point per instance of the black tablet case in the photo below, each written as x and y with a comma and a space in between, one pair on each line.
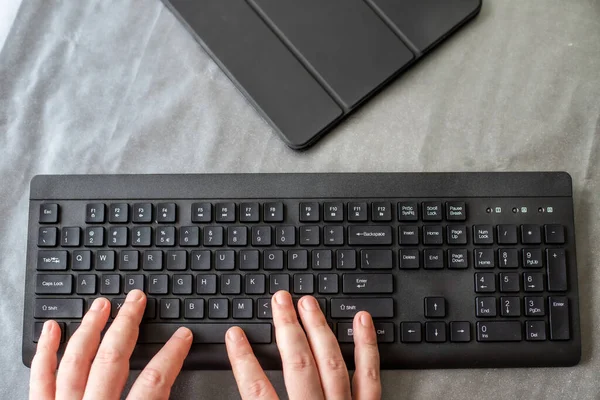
307, 64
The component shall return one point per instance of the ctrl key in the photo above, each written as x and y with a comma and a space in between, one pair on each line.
58, 308
37, 331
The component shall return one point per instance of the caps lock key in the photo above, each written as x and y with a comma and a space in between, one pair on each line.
370, 235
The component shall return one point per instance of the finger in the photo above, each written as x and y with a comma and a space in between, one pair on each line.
249, 375
156, 380
299, 368
42, 383
366, 384
326, 350
111, 366
76, 362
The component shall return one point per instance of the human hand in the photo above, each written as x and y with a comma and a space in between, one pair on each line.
93, 370
313, 367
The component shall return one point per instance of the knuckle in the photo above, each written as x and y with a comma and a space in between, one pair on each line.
73, 360
109, 355
152, 378
299, 362
335, 364
258, 389
372, 374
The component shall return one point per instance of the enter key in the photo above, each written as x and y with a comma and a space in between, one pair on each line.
368, 283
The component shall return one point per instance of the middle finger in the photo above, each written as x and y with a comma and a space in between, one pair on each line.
111, 366
299, 370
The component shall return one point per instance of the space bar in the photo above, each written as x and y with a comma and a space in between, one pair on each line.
203, 333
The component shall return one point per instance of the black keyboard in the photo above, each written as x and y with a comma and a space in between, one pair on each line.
457, 269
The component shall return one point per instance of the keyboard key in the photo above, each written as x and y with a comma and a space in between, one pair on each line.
345, 259
279, 282
433, 235
261, 236
255, 284
432, 211
557, 270
218, 308
328, 284
304, 284
48, 213
381, 212
535, 330
58, 308
82, 260
118, 213
141, 236
376, 259
37, 331
435, 332
115, 306
94, 213
273, 260
71, 236
369, 235
322, 259
509, 282
54, 284
273, 212
94, 236
86, 284
560, 328
117, 236
483, 234
231, 284
47, 237
242, 308
189, 236
165, 236
510, 306
213, 236
310, 235
309, 212
150, 311
408, 235
458, 258
297, 259
357, 212
485, 306
193, 309
457, 234
166, 213
535, 306
533, 281
532, 258
224, 260
133, 282
249, 212
410, 332
206, 284
434, 258
531, 234
348, 307
201, 260
485, 282
435, 307
158, 284
456, 211
110, 284
285, 235
334, 235
52, 260
201, 212
508, 258
333, 212
384, 331
182, 284
225, 212
554, 234
176, 260
203, 333
460, 332
507, 234
249, 260
169, 308
153, 260
263, 307
408, 211
409, 259
499, 331
105, 260
367, 283
484, 258
142, 213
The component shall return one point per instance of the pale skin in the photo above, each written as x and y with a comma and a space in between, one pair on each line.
313, 367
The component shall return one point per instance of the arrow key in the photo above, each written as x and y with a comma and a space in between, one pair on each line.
410, 332
460, 331
435, 332
435, 307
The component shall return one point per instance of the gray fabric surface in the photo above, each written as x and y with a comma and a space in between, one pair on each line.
121, 87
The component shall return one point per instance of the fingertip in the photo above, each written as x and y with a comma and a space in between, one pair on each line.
184, 333
364, 319
135, 295
235, 334
282, 298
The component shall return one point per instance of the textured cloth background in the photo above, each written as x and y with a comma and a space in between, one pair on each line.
120, 87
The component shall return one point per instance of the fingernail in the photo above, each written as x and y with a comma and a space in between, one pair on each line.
47, 328
282, 298
310, 304
97, 305
235, 334
183, 333
365, 320
134, 295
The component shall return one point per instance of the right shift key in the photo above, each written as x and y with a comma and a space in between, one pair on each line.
560, 328
557, 270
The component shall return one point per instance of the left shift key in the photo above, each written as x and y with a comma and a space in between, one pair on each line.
58, 308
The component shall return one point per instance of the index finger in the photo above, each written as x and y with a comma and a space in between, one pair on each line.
111, 366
